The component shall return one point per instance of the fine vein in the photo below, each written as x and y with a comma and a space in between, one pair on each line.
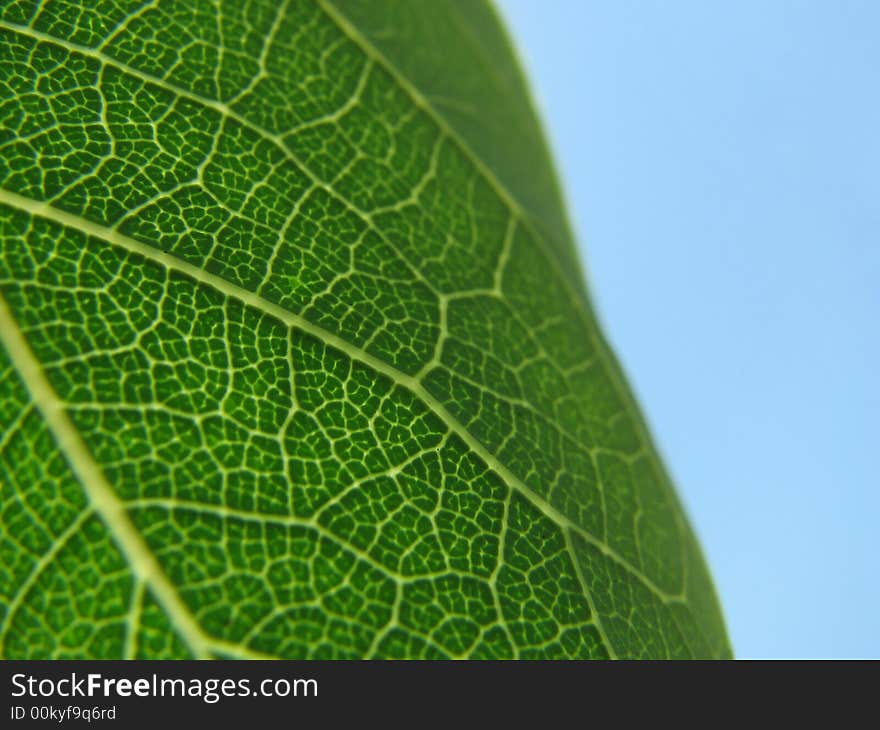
290, 319
103, 499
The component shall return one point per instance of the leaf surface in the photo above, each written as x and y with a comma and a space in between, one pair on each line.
295, 355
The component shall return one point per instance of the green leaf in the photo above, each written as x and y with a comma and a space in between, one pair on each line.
295, 355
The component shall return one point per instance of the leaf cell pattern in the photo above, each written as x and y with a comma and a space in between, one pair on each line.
291, 365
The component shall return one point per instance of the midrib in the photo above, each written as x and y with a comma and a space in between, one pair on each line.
100, 494
296, 321
579, 305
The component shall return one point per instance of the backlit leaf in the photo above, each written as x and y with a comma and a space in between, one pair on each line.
295, 355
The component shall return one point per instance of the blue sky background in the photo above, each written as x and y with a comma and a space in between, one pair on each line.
721, 162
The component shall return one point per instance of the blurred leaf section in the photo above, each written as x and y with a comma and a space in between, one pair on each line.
296, 360
457, 59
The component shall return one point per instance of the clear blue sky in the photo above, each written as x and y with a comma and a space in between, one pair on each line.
721, 162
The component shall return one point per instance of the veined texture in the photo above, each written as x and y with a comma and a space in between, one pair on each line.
295, 355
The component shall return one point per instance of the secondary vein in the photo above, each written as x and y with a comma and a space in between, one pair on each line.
291, 319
